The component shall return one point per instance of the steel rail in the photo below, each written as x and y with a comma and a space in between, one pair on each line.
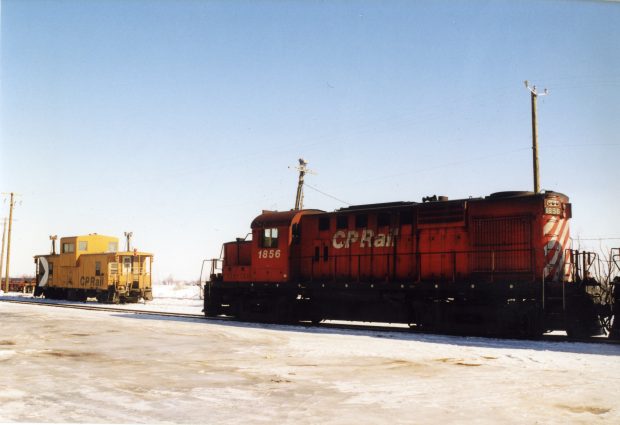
109, 309
322, 325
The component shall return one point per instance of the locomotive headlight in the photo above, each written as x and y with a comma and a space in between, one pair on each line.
553, 207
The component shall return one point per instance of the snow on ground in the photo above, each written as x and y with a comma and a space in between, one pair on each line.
175, 298
60, 365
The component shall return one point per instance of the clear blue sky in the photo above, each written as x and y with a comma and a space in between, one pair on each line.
177, 120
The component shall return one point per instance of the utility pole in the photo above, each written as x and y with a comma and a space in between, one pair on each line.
8, 245
535, 95
2, 256
299, 200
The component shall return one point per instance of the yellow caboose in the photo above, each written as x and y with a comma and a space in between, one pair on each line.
91, 266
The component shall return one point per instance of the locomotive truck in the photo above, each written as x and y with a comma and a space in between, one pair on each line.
91, 266
500, 264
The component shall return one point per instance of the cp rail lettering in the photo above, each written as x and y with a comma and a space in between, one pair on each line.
342, 239
91, 280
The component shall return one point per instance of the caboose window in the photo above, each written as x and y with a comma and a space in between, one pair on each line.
127, 263
112, 246
82, 246
342, 222
97, 268
68, 247
270, 238
51, 268
323, 223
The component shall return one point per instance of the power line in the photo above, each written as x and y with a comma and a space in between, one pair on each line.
581, 145
328, 195
595, 239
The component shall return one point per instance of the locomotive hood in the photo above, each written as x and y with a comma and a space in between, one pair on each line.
280, 218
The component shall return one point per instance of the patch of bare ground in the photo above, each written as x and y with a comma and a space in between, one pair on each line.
585, 409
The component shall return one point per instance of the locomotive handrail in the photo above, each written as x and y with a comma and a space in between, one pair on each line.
200, 279
201, 270
581, 262
212, 274
544, 272
616, 257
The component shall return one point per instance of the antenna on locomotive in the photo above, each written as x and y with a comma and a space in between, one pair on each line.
535, 95
303, 169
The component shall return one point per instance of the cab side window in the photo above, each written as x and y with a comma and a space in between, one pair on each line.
269, 238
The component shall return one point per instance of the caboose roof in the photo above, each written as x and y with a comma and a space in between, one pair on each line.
90, 236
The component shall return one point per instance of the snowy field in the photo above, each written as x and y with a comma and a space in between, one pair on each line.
74, 366
167, 298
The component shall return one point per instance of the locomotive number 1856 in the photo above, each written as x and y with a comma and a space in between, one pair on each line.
269, 253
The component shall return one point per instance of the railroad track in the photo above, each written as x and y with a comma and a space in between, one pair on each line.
323, 325
109, 309
543, 338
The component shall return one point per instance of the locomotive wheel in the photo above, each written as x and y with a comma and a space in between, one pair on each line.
263, 309
519, 320
284, 312
583, 329
251, 310
528, 327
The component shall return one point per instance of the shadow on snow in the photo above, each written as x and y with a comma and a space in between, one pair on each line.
402, 335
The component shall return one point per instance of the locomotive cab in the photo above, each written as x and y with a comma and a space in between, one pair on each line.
272, 234
253, 269
264, 258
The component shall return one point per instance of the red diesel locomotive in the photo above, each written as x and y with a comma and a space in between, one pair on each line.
501, 264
